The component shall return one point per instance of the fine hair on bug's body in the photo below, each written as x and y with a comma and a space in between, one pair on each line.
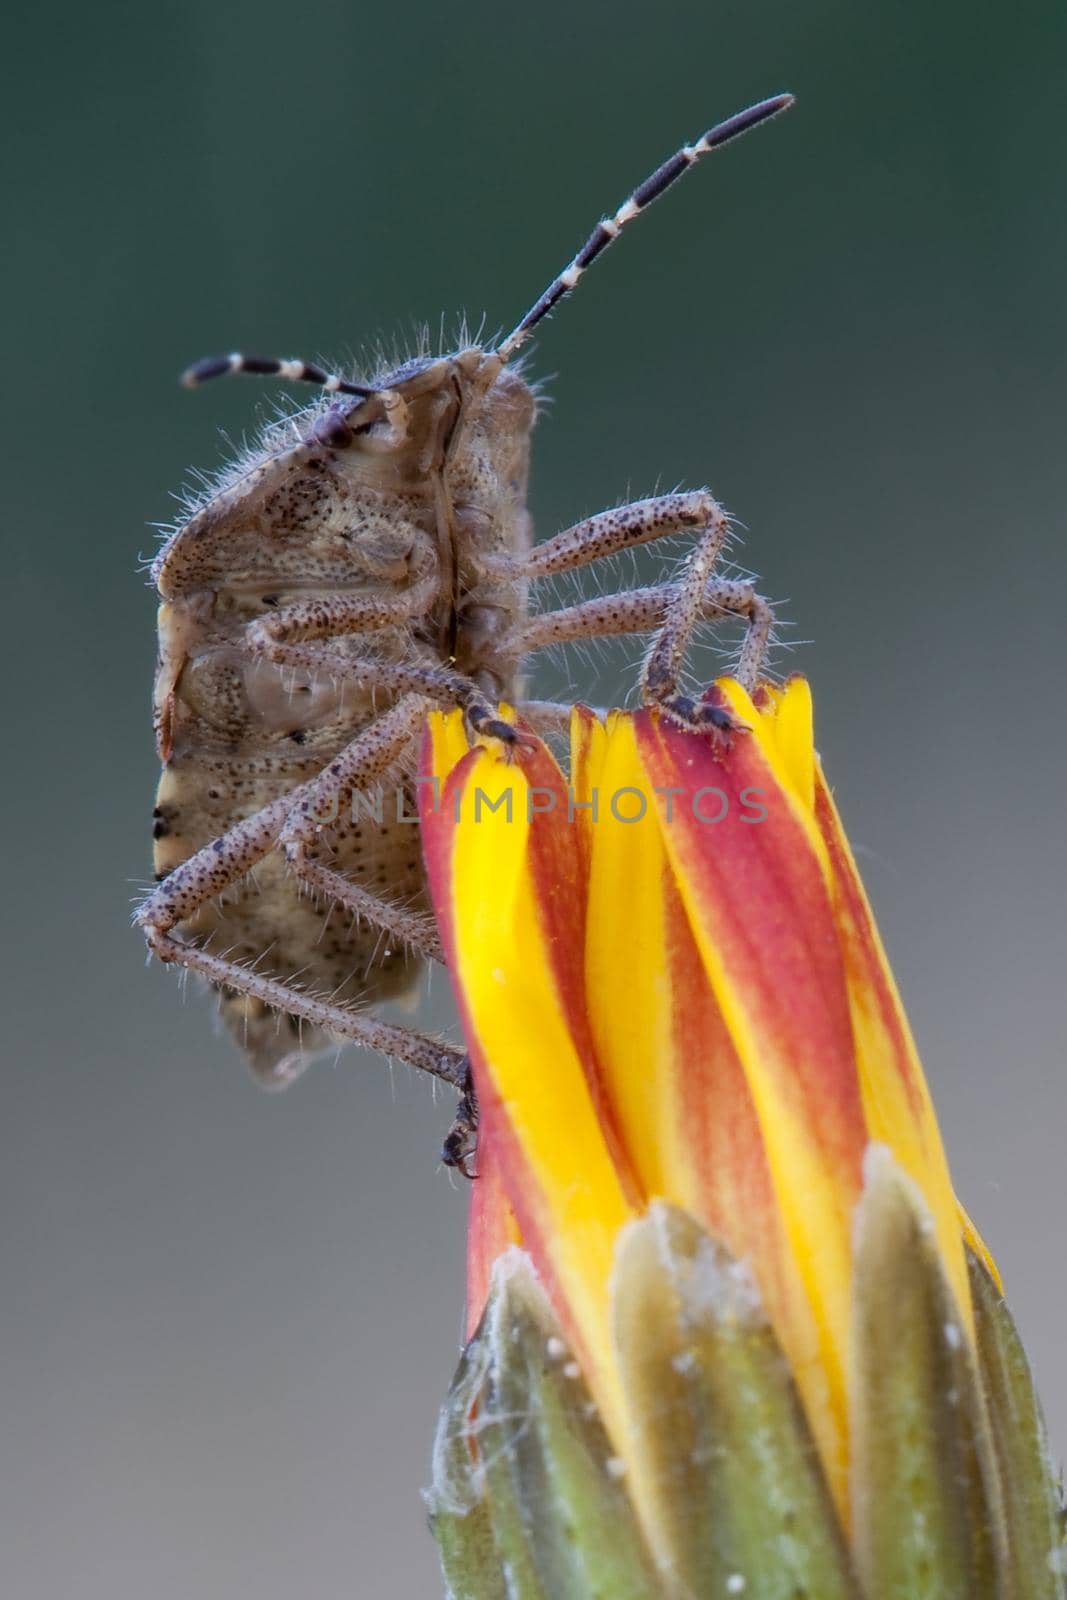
371, 561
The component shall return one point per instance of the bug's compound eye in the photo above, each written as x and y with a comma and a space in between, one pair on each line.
332, 429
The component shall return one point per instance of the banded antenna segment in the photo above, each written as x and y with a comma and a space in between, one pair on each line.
270, 366
609, 228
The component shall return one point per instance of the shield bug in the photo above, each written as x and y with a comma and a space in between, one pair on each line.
370, 560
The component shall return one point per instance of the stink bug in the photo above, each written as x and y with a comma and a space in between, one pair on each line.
373, 559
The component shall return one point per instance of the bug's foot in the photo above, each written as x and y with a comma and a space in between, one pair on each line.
483, 722
709, 715
461, 1141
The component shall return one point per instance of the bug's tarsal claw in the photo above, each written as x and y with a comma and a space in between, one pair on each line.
716, 713
495, 728
484, 723
703, 716
458, 1152
461, 1141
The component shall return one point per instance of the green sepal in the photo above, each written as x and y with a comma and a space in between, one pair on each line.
536, 1467
738, 1500
928, 1512
953, 1496
1037, 1552
457, 1503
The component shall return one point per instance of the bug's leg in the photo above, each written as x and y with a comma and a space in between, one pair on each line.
663, 664
208, 873
440, 684
662, 667
406, 927
610, 532
646, 611
299, 635
420, 1050
211, 870
760, 619
334, 789
332, 616
371, 758
462, 1137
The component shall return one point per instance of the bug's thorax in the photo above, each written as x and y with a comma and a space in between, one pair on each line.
418, 484
458, 435
480, 512
463, 420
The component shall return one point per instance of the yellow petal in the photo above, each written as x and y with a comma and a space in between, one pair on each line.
514, 892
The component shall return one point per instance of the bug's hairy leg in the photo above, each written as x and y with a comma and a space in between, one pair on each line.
440, 684
662, 668
407, 927
295, 636
759, 615
417, 1049
335, 615
610, 532
373, 757
645, 611
213, 869
461, 1140
209, 871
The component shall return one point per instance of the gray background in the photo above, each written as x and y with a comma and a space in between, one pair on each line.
228, 1319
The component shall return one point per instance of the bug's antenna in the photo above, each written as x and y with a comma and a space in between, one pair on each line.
269, 366
610, 227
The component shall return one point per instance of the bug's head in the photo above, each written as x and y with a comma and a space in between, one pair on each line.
424, 411
425, 399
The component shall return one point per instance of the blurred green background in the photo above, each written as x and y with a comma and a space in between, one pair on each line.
229, 1318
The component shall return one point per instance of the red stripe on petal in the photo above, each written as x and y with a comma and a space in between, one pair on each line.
586, 731
721, 1173
560, 877
492, 1226
759, 889
758, 901
728, 1183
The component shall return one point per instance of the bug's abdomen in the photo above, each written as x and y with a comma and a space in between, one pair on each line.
271, 922
240, 734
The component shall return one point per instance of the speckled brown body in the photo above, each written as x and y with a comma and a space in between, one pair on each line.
340, 503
